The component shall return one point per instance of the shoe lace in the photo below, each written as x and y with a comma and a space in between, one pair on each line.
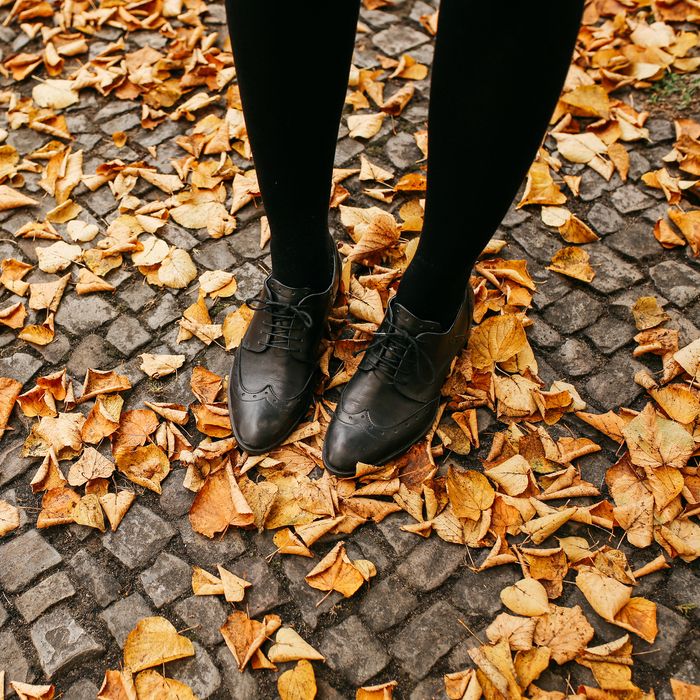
282, 325
393, 348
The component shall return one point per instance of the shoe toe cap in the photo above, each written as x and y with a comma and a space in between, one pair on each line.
343, 448
261, 423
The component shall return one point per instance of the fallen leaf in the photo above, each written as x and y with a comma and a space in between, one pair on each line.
152, 642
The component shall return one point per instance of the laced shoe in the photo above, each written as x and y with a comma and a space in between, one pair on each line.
272, 378
393, 397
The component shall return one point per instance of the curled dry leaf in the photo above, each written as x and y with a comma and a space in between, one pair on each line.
146, 466
9, 518
234, 587
335, 572
244, 636
91, 465
289, 646
383, 691
117, 685
565, 631
26, 691
157, 366
116, 506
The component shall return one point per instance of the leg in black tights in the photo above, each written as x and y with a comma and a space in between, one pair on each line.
491, 98
292, 61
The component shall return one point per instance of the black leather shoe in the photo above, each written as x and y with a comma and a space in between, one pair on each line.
272, 377
393, 398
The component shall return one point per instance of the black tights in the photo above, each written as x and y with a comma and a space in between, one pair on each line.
495, 82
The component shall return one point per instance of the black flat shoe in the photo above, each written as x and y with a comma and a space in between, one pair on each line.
272, 378
393, 398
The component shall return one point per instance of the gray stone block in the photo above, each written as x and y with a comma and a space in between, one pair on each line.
122, 616
24, 558
167, 579
61, 643
141, 535
352, 651
93, 575
427, 638
52, 590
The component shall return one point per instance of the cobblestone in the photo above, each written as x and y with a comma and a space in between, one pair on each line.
427, 638
102, 585
122, 616
240, 686
430, 564
22, 366
141, 535
14, 663
576, 358
404, 623
198, 672
574, 312
82, 315
61, 643
167, 579
604, 219
205, 615
127, 335
386, 604
677, 282
628, 199
24, 558
351, 650
266, 593
52, 590
610, 334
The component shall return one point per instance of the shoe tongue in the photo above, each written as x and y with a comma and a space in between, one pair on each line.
287, 295
405, 320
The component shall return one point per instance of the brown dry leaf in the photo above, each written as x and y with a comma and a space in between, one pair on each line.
335, 572
25, 691
527, 597
9, 518
364, 126
469, 492
204, 583
61, 433
573, 262
541, 528
234, 587
655, 442
57, 507
244, 636
684, 691
287, 543
91, 465
157, 366
496, 340
12, 199
9, 391
495, 670
299, 683
648, 313
289, 646
588, 101
220, 504
88, 512
48, 476
565, 631
383, 691
152, 642
205, 384
516, 631
13, 316
117, 685
116, 506
150, 685
146, 466
134, 429
177, 269
90, 283
47, 295
103, 382
540, 187
235, 325
513, 475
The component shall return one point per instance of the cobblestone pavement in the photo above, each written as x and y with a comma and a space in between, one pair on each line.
70, 596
